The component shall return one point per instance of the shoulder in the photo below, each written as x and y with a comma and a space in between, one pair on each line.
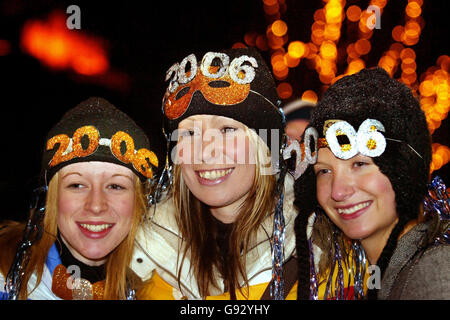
427, 276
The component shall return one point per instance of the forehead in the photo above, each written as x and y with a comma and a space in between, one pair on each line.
326, 156
96, 168
208, 119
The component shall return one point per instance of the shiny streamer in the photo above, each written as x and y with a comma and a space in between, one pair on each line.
313, 281
277, 286
437, 201
356, 268
276, 291
32, 233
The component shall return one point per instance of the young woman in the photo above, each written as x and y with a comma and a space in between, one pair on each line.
216, 231
96, 162
366, 190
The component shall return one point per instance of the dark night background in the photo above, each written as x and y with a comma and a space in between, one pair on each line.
144, 39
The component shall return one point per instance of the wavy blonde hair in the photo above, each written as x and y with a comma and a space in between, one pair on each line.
118, 274
194, 217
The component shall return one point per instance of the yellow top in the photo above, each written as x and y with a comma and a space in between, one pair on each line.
157, 289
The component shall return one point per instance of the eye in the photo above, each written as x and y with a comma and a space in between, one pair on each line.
228, 129
75, 186
358, 164
115, 186
321, 171
187, 133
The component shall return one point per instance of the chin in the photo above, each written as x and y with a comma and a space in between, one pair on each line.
356, 233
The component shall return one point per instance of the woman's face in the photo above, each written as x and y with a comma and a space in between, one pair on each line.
217, 162
356, 196
95, 208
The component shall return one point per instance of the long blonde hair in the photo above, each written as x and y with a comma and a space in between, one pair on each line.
199, 230
117, 270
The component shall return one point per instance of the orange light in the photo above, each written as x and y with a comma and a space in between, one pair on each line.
332, 31
426, 88
282, 74
419, 2
407, 53
238, 45
296, 49
279, 28
333, 12
353, 13
328, 50
261, 42
5, 47
284, 90
319, 15
351, 51
273, 41
409, 66
309, 95
355, 66
250, 38
362, 46
278, 65
270, 2
413, 9
58, 47
272, 9
397, 33
290, 61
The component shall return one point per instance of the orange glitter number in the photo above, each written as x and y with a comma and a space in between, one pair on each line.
60, 155
93, 135
117, 140
141, 164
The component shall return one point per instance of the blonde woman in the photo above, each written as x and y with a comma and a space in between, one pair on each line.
219, 235
83, 236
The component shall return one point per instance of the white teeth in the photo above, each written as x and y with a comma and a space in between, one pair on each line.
214, 174
354, 208
96, 227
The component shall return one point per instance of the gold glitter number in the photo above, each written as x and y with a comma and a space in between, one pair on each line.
141, 164
117, 140
60, 154
93, 135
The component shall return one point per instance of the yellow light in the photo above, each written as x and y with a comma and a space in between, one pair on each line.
328, 50
296, 49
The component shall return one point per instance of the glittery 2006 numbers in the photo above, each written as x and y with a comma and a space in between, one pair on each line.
72, 148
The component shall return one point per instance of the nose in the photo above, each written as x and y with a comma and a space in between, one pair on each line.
96, 201
342, 186
212, 144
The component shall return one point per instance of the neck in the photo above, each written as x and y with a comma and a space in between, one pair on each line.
228, 213
81, 258
374, 245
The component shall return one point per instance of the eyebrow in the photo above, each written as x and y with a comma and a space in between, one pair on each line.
123, 175
70, 173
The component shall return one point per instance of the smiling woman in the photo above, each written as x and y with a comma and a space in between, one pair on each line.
361, 204
94, 203
221, 229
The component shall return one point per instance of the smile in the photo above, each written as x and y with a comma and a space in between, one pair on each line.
96, 227
95, 230
214, 174
213, 177
354, 211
